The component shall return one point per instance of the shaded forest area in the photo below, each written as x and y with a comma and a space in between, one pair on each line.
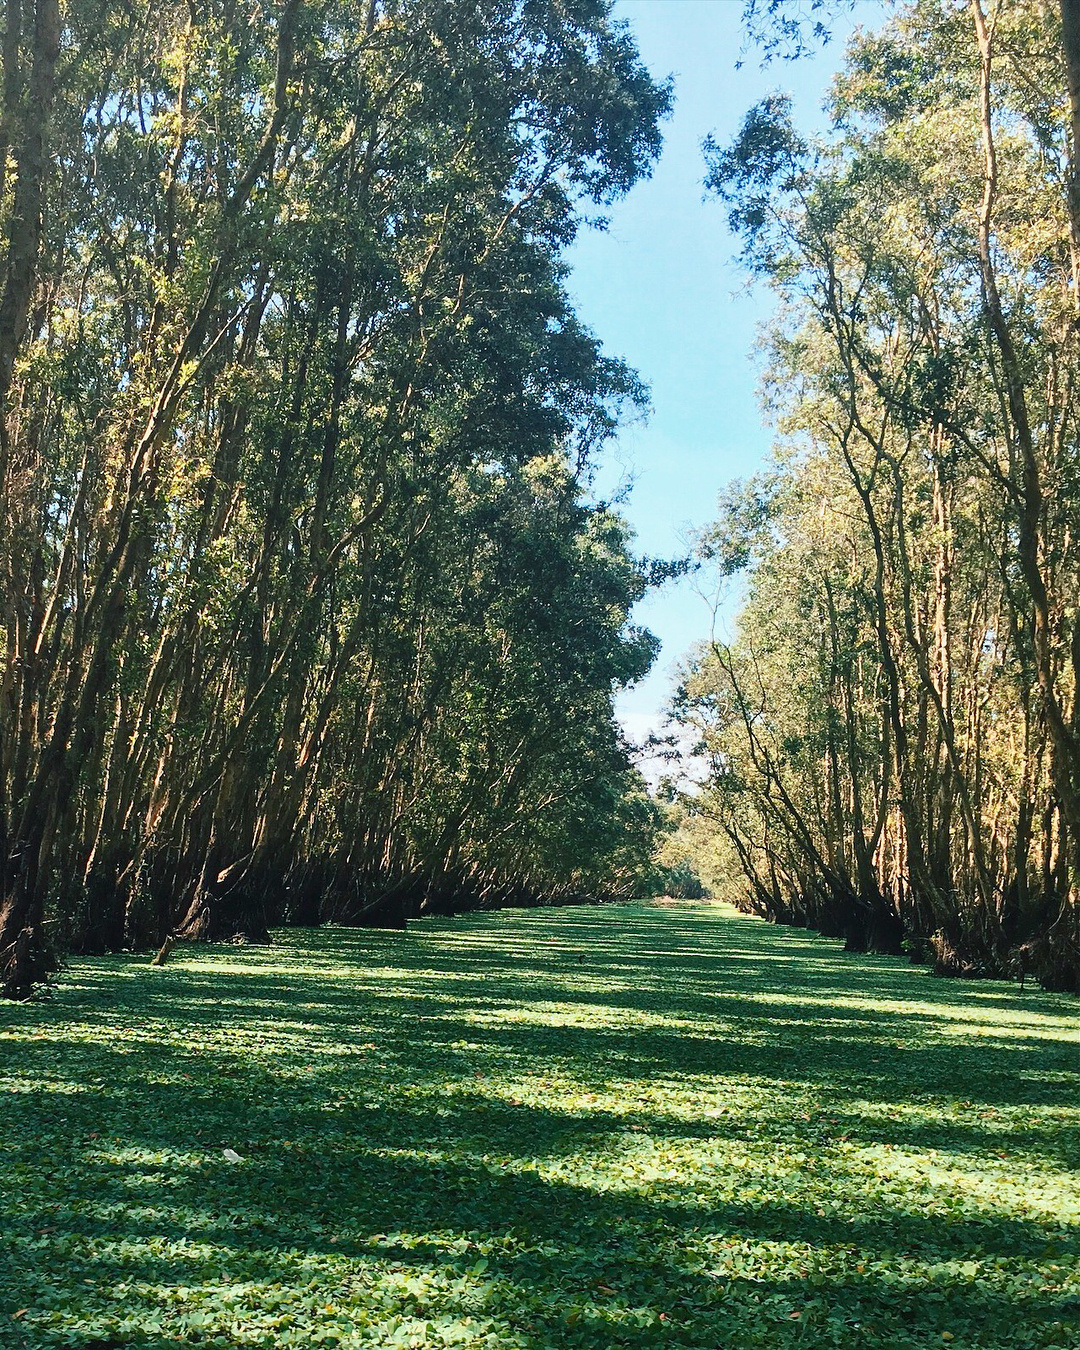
306, 611
894, 732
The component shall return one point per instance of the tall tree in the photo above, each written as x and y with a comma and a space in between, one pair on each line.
282, 333
896, 740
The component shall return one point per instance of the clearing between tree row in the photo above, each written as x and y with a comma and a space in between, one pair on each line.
614, 1127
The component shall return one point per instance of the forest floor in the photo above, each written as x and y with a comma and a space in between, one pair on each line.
616, 1127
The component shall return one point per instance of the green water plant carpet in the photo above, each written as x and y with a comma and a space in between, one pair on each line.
603, 1127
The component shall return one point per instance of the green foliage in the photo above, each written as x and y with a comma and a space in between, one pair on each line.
597, 1128
892, 733
784, 31
305, 605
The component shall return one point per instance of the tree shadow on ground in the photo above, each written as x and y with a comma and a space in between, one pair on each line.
704, 1132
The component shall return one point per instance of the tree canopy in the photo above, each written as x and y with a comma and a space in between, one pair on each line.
306, 609
895, 732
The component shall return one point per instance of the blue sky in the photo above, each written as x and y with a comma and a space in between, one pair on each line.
662, 290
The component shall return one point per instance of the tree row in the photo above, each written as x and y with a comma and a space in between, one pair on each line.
306, 610
893, 735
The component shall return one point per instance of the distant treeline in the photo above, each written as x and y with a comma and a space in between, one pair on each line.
305, 610
894, 733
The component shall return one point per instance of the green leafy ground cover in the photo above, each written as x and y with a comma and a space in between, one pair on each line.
705, 1132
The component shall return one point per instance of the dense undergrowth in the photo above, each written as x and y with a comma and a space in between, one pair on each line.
607, 1128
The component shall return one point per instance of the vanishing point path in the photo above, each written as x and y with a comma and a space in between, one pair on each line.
612, 1127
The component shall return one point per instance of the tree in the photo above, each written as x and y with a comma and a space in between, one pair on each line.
896, 726
283, 309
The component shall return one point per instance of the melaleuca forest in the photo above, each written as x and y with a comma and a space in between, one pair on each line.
540, 674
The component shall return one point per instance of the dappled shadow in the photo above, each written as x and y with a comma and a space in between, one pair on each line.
601, 1128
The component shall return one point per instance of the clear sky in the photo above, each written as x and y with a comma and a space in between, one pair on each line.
662, 290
